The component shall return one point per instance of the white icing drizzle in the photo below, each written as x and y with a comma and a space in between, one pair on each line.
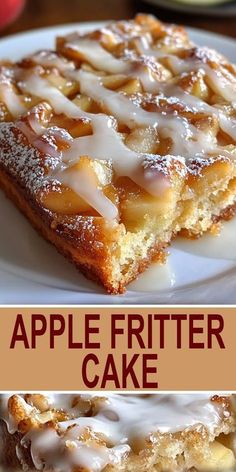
41, 88
90, 456
110, 147
13, 102
101, 59
98, 57
181, 132
119, 105
126, 112
52, 59
144, 73
80, 182
196, 104
188, 141
122, 421
163, 413
219, 83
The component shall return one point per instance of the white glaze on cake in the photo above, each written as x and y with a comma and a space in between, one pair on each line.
123, 421
154, 65
145, 62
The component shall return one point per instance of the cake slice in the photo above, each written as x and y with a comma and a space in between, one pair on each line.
117, 141
86, 433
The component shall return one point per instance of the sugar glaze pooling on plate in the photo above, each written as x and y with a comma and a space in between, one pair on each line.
221, 246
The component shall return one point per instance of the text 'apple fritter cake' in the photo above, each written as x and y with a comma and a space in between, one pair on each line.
118, 433
117, 141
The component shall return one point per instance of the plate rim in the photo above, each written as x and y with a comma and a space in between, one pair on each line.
225, 9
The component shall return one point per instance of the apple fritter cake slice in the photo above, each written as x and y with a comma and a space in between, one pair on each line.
117, 141
85, 433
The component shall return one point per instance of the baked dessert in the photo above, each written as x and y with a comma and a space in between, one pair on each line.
85, 433
117, 141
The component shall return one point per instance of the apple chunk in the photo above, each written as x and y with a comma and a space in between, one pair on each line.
221, 459
61, 198
65, 201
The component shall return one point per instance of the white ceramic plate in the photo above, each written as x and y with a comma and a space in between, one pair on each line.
31, 271
223, 10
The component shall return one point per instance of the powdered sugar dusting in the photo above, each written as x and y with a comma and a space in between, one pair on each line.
160, 103
166, 164
24, 162
30, 169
